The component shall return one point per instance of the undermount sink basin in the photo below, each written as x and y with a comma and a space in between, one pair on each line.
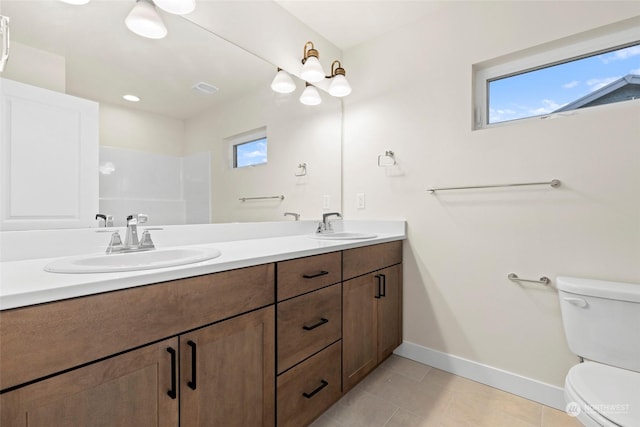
344, 235
131, 261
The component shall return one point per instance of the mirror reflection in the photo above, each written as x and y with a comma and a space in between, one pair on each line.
205, 139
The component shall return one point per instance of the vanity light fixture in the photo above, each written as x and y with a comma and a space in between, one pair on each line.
145, 21
339, 85
282, 82
131, 98
311, 68
310, 95
177, 7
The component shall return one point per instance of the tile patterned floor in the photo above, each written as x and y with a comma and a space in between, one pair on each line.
404, 393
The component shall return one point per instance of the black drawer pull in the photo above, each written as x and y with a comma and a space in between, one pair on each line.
322, 385
384, 286
172, 392
315, 325
314, 275
379, 290
192, 383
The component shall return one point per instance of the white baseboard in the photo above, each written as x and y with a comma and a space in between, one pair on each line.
528, 388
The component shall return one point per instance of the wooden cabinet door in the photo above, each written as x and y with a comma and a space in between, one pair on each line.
228, 373
126, 390
359, 333
389, 310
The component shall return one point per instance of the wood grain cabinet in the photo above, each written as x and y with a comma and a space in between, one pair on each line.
372, 308
309, 330
227, 376
158, 355
258, 346
132, 389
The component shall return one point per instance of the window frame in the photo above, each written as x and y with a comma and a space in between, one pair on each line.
245, 138
594, 42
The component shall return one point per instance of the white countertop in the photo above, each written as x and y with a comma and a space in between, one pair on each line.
24, 282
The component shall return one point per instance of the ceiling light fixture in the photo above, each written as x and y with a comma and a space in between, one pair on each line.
339, 85
311, 68
310, 95
206, 88
145, 21
177, 7
282, 82
131, 98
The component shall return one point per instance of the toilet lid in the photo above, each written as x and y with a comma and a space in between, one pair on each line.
610, 392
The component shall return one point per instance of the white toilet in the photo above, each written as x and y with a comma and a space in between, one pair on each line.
602, 324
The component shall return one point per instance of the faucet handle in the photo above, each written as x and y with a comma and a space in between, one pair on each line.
137, 219
115, 244
145, 241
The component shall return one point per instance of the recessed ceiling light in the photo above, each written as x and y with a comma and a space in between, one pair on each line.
131, 98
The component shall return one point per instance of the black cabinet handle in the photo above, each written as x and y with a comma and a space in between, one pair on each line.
192, 383
315, 325
322, 385
384, 285
314, 275
172, 392
379, 290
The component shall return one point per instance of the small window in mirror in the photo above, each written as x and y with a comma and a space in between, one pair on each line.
250, 152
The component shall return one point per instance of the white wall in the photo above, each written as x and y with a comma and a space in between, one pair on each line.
296, 134
36, 67
140, 130
412, 94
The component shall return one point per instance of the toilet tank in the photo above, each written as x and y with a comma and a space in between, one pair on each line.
602, 320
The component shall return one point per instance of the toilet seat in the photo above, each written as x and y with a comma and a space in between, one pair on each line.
608, 396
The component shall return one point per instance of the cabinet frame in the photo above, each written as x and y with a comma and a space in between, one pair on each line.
82, 330
372, 309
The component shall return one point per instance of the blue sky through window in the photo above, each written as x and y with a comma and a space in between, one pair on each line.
543, 91
251, 153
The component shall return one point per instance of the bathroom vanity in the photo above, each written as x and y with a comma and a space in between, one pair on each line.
269, 344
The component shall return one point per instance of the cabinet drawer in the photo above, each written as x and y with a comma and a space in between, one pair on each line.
359, 261
307, 324
44, 339
307, 390
302, 275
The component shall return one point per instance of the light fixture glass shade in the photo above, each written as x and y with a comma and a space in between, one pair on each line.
310, 96
339, 86
312, 70
283, 83
177, 7
145, 21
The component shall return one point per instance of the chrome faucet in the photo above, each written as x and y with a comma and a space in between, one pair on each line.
296, 216
325, 225
131, 241
131, 238
107, 219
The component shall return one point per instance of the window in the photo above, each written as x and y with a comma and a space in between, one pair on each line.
249, 149
564, 77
